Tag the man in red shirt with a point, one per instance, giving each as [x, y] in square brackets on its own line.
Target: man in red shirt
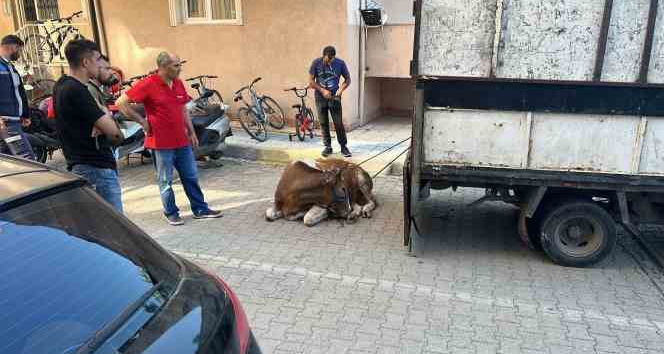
[170, 135]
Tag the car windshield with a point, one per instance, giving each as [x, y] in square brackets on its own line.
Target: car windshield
[69, 265]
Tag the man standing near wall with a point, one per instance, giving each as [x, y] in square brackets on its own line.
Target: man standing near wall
[13, 100]
[170, 134]
[324, 77]
[88, 134]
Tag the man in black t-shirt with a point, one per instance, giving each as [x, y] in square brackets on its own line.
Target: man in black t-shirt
[87, 133]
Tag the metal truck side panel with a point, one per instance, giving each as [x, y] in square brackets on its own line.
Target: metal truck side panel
[456, 37]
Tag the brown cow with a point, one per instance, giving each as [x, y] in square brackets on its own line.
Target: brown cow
[335, 187]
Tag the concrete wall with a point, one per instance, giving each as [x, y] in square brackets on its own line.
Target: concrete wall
[391, 58]
[276, 42]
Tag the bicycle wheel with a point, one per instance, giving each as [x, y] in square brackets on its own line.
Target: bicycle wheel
[273, 112]
[312, 122]
[298, 126]
[37, 50]
[251, 124]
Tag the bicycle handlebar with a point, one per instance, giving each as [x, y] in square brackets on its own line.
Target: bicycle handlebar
[202, 77]
[298, 92]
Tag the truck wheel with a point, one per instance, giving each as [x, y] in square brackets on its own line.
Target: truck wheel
[578, 234]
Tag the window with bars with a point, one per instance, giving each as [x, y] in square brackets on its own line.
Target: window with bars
[213, 11]
[34, 10]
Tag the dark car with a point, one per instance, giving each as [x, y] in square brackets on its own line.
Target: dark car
[78, 277]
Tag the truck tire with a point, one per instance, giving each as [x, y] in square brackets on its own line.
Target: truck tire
[578, 234]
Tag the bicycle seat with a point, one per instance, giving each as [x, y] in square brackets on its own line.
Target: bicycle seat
[212, 112]
[195, 86]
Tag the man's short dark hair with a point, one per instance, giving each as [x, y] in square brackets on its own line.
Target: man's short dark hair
[329, 51]
[12, 39]
[79, 49]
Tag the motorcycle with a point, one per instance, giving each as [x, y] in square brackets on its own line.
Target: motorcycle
[212, 126]
[41, 132]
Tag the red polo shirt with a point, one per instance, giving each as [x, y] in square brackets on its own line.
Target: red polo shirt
[164, 107]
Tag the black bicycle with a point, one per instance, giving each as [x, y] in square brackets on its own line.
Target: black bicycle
[206, 96]
[43, 48]
[304, 118]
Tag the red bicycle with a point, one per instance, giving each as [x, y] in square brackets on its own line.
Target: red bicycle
[304, 118]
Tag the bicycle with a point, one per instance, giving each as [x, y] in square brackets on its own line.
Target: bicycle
[206, 96]
[304, 118]
[43, 49]
[263, 110]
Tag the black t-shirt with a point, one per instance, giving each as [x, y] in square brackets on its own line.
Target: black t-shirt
[75, 115]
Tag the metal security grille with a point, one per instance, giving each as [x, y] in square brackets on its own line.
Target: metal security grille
[47, 9]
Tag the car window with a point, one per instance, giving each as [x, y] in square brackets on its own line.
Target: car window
[69, 265]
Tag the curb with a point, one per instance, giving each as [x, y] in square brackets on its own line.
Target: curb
[285, 156]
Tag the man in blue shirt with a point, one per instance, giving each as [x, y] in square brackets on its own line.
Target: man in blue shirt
[13, 100]
[324, 77]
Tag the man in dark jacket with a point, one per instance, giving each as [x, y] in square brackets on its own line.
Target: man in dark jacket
[13, 100]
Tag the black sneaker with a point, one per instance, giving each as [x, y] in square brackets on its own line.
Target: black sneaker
[327, 151]
[346, 152]
[175, 220]
[208, 214]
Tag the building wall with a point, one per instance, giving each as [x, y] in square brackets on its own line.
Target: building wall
[372, 99]
[397, 97]
[390, 58]
[6, 18]
[276, 42]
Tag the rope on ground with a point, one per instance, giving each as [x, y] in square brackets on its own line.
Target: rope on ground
[389, 164]
[384, 151]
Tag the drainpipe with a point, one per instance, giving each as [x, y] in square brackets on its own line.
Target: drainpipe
[362, 59]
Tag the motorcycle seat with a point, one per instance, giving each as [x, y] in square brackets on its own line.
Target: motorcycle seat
[212, 112]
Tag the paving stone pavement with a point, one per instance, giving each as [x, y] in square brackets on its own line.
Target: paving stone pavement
[339, 288]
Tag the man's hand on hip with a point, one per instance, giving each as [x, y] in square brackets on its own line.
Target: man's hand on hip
[146, 126]
[193, 140]
[2, 123]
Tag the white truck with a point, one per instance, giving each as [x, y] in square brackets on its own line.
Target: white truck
[556, 106]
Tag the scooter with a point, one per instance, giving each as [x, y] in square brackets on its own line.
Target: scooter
[212, 126]
[134, 140]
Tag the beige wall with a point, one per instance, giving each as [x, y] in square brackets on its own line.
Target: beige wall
[372, 99]
[397, 96]
[391, 59]
[6, 20]
[277, 41]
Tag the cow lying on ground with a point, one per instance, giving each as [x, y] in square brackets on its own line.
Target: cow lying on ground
[334, 188]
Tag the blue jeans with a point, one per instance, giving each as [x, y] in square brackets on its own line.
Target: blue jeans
[105, 182]
[184, 161]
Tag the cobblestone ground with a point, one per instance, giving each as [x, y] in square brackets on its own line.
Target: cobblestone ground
[339, 288]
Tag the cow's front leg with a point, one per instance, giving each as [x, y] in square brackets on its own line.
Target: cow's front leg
[296, 217]
[315, 215]
[368, 208]
[356, 212]
[273, 214]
